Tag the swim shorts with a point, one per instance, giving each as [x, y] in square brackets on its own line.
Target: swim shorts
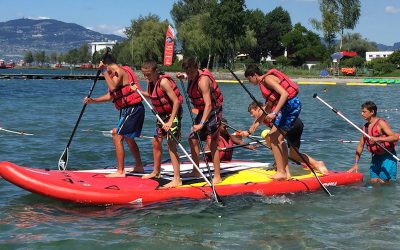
[131, 121]
[175, 128]
[383, 167]
[288, 114]
[210, 128]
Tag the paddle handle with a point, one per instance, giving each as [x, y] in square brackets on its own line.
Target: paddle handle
[354, 125]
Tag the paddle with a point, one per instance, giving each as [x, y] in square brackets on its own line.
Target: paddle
[280, 130]
[63, 161]
[15, 132]
[215, 195]
[197, 134]
[355, 126]
[254, 139]
[318, 140]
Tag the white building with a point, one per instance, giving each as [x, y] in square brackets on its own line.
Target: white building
[97, 46]
[377, 54]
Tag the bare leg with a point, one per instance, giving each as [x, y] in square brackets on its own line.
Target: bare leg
[212, 143]
[280, 152]
[157, 155]
[120, 155]
[136, 155]
[317, 165]
[173, 153]
[194, 150]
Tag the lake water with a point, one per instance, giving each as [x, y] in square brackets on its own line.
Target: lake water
[356, 217]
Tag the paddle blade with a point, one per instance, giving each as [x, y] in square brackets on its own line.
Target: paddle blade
[63, 161]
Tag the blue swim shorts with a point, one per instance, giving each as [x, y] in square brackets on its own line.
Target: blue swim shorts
[288, 114]
[131, 121]
[383, 167]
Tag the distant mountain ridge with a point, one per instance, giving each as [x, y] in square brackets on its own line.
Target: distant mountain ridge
[383, 47]
[49, 35]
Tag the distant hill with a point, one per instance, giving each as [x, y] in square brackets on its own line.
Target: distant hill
[383, 47]
[21, 35]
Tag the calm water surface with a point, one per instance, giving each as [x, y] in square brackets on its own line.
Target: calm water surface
[356, 217]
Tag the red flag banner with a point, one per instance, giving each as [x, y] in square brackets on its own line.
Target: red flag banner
[169, 46]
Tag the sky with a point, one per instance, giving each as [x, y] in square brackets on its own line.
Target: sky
[379, 20]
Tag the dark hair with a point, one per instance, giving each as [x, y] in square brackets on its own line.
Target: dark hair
[371, 106]
[108, 59]
[150, 64]
[251, 70]
[254, 105]
[190, 63]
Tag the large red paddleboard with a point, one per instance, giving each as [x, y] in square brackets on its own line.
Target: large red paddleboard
[94, 188]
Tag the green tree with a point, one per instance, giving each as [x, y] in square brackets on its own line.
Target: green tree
[395, 58]
[278, 23]
[53, 57]
[337, 15]
[84, 54]
[226, 27]
[29, 57]
[303, 45]
[185, 9]
[255, 21]
[40, 57]
[145, 40]
[193, 39]
[355, 42]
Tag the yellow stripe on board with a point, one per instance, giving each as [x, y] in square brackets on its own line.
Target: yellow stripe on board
[318, 83]
[226, 81]
[365, 84]
[250, 175]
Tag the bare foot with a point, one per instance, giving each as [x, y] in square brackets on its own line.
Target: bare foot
[173, 183]
[216, 180]
[113, 175]
[193, 174]
[151, 175]
[321, 167]
[278, 176]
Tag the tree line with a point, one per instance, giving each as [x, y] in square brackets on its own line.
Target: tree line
[216, 32]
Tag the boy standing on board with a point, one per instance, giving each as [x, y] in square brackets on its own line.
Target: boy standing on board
[280, 93]
[119, 81]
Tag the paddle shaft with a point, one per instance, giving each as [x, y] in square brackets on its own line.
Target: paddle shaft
[14, 132]
[180, 146]
[282, 132]
[354, 125]
[197, 133]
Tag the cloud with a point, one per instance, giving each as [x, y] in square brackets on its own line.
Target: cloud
[392, 10]
[39, 17]
[108, 29]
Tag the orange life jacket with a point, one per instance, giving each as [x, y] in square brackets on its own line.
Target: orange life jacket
[271, 96]
[160, 100]
[123, 96]
[374, 132]
[197, 98]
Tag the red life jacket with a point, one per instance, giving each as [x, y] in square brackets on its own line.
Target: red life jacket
[123, 96]
[271, 96]
[197, 98]
[224, 155]
[374, 132]
[160, 100]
